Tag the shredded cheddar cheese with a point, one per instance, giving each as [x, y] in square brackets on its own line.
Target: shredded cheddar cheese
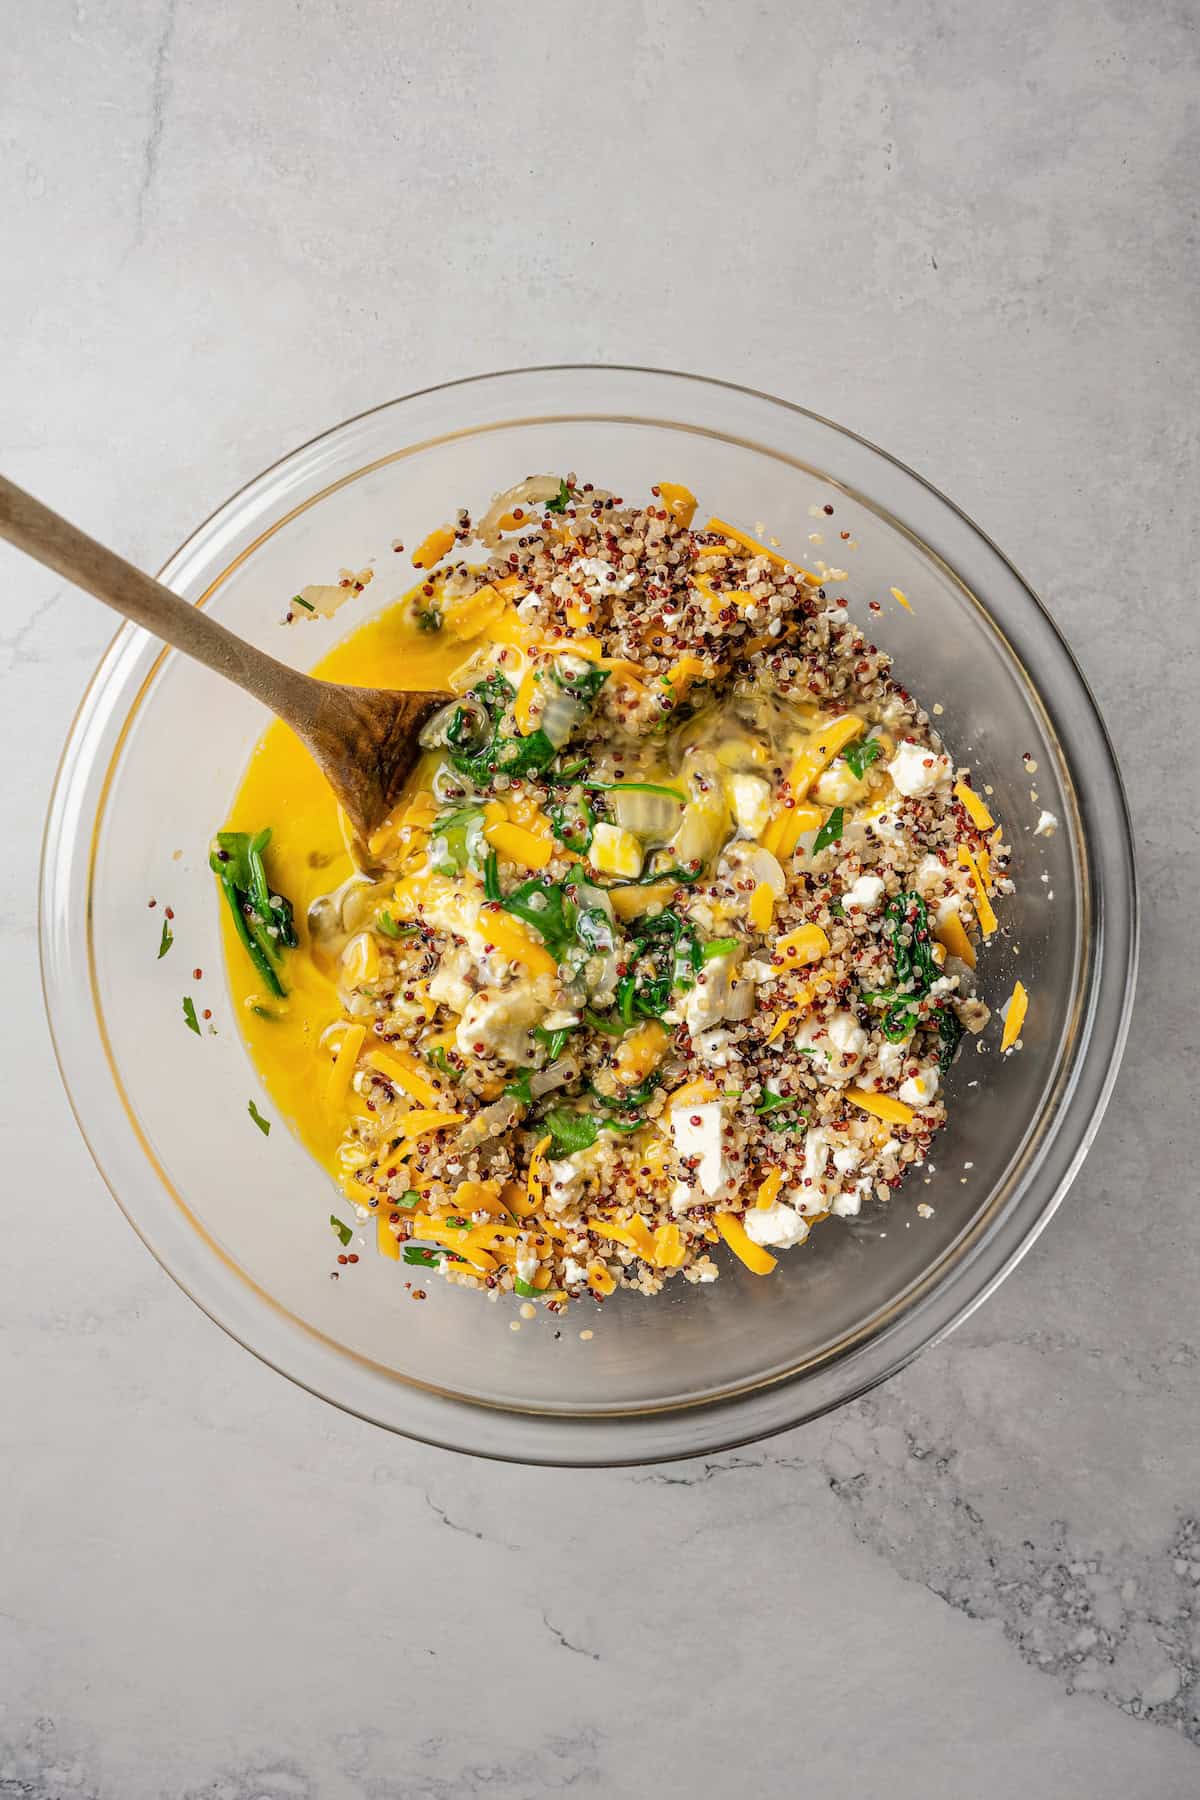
[403, 1070]
[679, 501]
[342, 1072]
[983, 906]
[952, 933]
[511, 939]
[756, 1259]
[976, 811]
[757, 549]
[808, 943]
[882, 1106]
[1014, 1018]
[432, 548]
[768, 1191]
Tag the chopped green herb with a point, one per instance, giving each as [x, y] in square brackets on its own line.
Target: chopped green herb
[569, 1131]
[831, 830]
[264, 1125]
[438, 1058]
[906, 921]
[408, 1199]
[344, 1233]
[491, 877]
[544, 906]
[189, 1013]
[525, 1289]
[429, 619]
[482, 758]
[859, 757]
[632, 787]
[519, 1089]
[387, 925]
[166, 940]
[771, 1103]
[572, 822]
[718, 947]
[631, 1097]
[264, 1012]
[610, 1027]
[561, 500]
[421, 1257]
[950, 1031]
[555, 1041]
[263, 919]
[299, 600]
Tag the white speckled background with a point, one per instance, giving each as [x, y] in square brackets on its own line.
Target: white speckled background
[970, 234]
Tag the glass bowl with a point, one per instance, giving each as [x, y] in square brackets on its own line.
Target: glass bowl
[241, 1221]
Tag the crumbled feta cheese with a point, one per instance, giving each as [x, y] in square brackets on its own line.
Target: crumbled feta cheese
[448, 985]
[916, 769]
[602, 577]
[929, 873]
[574, 1273]
[757, 971]
[920, 1088]
[839, 1045]
[848, 1204]
[816, 1154]
[750, 803]
[565, 1177]
[847, 1159]
[864, 894]
[683, 1196]
[716, 1048]
[886, 827]
[501, 1022]
[526, 1263]
[890, 1060]
[779, 1225]
[696, 1131]
[839, 785]
[1046, 826]
[615, 851]
[717, 995]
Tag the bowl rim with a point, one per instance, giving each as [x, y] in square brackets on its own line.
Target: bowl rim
[1107, 980]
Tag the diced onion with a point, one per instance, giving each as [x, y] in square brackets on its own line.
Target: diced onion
[530, 492]
[433, 732]
[559, 714]
[556, 1075]
[650, 816]
[489, 1123]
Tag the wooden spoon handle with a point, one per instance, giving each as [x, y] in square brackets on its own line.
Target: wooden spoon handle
[54, 541]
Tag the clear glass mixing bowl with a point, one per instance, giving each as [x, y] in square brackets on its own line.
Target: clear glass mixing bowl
[241, 1221]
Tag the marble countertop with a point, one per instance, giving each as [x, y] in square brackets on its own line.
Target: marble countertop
[968, 234]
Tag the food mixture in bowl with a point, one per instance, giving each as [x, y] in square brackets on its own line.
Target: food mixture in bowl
[670, 943]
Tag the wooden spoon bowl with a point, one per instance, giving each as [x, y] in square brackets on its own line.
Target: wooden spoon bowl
[364, 740]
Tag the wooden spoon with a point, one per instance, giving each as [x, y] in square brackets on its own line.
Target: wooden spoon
[364, 740]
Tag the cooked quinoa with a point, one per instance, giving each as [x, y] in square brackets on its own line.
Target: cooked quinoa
[676, 937]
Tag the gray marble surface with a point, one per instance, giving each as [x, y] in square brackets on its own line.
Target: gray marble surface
[968, 233]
